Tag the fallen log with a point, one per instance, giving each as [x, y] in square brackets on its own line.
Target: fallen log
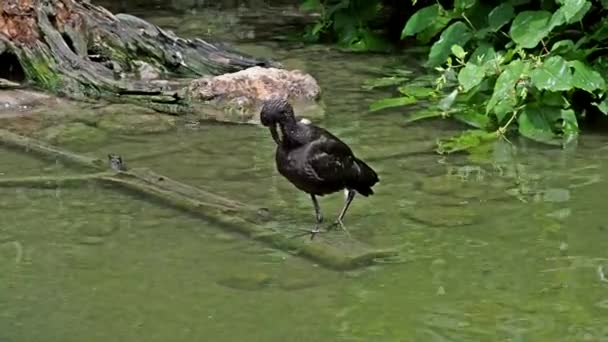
[330, 250]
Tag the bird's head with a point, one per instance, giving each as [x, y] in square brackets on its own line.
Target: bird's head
[274, 112]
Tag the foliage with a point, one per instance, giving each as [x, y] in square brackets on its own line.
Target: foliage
[520, 66]
[347, 21]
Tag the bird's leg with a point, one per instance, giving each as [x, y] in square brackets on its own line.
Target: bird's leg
[350, 195]
[318, 216]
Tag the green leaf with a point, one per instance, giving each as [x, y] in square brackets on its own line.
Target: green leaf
[481, 34]
[500, 16]
[529, 28]
[562, 46]
[310, 5]
[457, 33]
[558, 18]
[585, 77]
[472, 117]
[464, 4]
[466, 140]
[570, 123]
[369, 41]
[416, 91]
[458, 51]
[437, 26]
[483, 54]
[602, 106]
[391, 102]
[420, 21]
[537, 124]
[470, 76]
[553, 98]
[421, 115]
[547, 124]
[384, 82]
[504, 98]
[448, 101]
[319, 26]
[554, 74]
[604, 4]
[337, 7]
[572, 8]
[581, 13]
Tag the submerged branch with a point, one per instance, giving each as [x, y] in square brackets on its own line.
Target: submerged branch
[329, 250]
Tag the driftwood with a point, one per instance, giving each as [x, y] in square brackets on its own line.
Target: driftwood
[76, 49]
[330, 250]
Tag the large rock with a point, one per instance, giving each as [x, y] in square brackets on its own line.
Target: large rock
[240, 94]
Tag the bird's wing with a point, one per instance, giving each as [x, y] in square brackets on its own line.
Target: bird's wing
[331, 160]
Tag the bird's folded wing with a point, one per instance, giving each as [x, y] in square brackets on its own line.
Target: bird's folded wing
[331, 161]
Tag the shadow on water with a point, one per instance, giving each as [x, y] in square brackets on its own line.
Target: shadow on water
[508, 247]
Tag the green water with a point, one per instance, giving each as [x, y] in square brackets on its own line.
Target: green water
[505, 247]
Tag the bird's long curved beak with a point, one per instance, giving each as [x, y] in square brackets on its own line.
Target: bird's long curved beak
[275, 134]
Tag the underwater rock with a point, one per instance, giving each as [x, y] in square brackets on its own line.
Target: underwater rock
[443, 216]
[296, 284]
[242, 93]
[555, 195]
[250, 282]
[132, 119]
[73, 133]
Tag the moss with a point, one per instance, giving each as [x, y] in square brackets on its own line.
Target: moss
[38, 69]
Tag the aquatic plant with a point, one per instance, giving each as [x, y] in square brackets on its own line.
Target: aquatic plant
[518, 67]
[347, 22]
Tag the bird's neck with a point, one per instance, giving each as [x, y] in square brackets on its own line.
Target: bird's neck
[290, 131]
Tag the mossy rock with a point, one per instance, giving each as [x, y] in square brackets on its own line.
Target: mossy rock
[136, 123]
[250, 282]
[444, 216]
[73, 134]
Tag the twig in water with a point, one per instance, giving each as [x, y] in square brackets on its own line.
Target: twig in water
[18, 252]
[600, 273]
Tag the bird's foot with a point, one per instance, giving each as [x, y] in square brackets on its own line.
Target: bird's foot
[339, 223]
[314, 231]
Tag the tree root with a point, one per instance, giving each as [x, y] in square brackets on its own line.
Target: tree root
[76, 49]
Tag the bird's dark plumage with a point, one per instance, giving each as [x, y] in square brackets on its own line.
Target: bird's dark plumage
[313, 159]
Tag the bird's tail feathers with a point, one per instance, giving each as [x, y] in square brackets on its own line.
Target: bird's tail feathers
[365, 178]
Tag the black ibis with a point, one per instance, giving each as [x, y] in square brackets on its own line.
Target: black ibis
[314, 160]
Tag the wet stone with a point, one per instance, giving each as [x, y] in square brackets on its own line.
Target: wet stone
[555, 195]
[83, 257]
[296, 284]
[91, 240]
[99, 230]
[252, 282]
[444, 216]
